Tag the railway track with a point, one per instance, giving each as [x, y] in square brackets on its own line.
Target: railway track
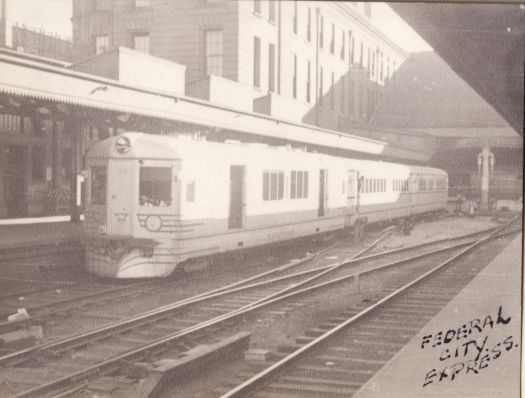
[62, 364]
[339, 356]
[47, 300]
[64, 248]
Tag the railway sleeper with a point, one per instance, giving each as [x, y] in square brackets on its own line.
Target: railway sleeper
[329, 371]
[306, 390]
[397, 321]
[359, 361]
[288, 348]
[320, 381]
[380, 337]
[365, 350]
[365, 341]
[384, 329]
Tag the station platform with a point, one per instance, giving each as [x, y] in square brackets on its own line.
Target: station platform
[15, 236]
[432, 371]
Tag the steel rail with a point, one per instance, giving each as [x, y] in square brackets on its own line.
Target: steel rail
[160, 312]
[113, 363]
[255, 381]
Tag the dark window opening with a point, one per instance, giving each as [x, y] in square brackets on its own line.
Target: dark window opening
[98, 185]
[155, 186]
[38, 164]
[256, 62]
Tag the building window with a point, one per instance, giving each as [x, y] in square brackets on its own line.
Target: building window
[142, 3]
[373, 63]
[190, 191]
[343, 44]
[298, 184]
[271, 9]
[321, 33]
[309, 26]
[155, 186]
[141, 42]
[342, 91]
[352, 49]
[368, 59]
[295, 16]
[321, 87]
[350, 96]
[257, 7]
[101, 44]
[271, 68]
[361, 55]
[368, 9]
[332, 89]
[332, 41]
[294, 81]
[308, 81]
[273, 185]
[214, 52]
[381, 68]
[38, 163]
[101, 5]
[256, 62]
[361, 103]
[98, 185]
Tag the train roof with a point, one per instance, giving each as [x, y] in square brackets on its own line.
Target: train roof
[150, 146]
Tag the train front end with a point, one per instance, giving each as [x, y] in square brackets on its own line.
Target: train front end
[130, 194]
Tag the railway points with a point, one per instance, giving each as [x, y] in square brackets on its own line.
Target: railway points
[349, 350]
[141, 335]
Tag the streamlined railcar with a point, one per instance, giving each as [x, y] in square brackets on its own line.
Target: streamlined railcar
[156, 202]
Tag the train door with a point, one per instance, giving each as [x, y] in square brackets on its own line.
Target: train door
[352, 191]
[323, 194]
[16, 181]
[120, 196]
[413, 189]
[236, 215]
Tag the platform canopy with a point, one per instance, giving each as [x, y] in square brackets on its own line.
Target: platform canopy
[38, 81]
[483, 43]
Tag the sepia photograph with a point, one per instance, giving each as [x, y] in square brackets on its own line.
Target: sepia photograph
[261, 199]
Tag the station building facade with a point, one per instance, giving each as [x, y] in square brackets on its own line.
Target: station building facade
[320, 63]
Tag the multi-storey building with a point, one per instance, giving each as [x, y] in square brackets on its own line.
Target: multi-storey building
[319, 63]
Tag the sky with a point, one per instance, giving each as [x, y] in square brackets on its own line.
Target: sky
[54, 16]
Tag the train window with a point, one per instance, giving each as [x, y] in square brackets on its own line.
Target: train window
[293, 184]
[155, 186]
[190, 191]
[298, 184]
[273, 185]
[98, 185]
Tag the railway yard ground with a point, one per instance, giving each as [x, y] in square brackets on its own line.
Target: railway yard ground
[85, 336]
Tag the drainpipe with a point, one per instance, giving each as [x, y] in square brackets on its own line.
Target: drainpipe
[279, 26]
[317, 66]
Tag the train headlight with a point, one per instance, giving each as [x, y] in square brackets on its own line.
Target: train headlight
[122, 144]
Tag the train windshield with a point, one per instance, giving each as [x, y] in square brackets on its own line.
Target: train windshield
[155, 186]
[98, 185]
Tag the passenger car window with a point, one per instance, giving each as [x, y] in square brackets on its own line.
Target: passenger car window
[155, 186]
[98, 185]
